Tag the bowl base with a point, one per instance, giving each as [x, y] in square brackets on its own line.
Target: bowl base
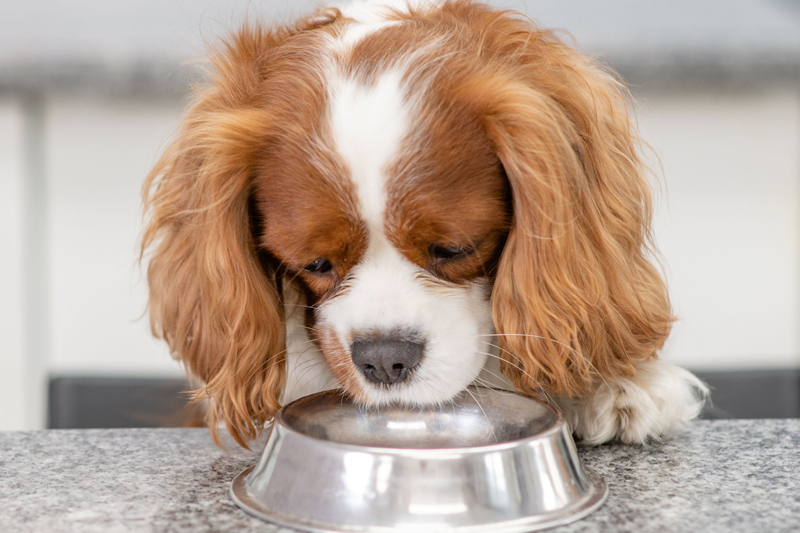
[593, 500]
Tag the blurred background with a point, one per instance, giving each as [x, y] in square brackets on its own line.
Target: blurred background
[91, 91]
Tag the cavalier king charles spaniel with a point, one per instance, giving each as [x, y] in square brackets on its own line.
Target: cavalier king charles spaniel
[401, 200]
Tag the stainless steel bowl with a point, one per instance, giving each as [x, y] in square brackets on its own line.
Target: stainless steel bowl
[490, 461]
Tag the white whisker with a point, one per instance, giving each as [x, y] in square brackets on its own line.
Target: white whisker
[549, 398]
[484, 413]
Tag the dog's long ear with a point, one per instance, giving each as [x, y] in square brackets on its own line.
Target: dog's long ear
[209, 297]
[576, 296]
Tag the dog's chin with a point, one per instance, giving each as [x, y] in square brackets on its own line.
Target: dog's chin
[428, 386]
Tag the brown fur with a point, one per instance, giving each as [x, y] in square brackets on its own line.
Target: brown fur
[576, 297]
[448, 188]
[209, 297]
[510, 115]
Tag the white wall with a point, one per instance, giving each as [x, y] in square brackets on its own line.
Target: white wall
[730, 227]
[12, 362]
[98, 153]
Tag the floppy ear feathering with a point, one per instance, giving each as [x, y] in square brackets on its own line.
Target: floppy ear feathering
[209, 297]
[576, 296]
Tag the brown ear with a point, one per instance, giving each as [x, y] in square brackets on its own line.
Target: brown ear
[209, 297]
[576, 298]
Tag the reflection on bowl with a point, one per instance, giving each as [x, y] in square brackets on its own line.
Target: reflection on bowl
[489, 461]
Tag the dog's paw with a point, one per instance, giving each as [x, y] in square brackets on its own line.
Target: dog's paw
[658, 398]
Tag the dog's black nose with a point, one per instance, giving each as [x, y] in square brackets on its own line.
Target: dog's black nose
[386, 361]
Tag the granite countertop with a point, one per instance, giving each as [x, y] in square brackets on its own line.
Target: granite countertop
[725, 475]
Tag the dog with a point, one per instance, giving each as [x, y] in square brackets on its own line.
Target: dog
[401, 199]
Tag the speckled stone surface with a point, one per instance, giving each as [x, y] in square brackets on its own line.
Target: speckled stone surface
[735, 475]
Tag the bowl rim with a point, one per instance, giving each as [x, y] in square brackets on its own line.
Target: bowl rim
[557, 426]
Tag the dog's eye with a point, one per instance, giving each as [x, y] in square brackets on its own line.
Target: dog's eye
[440, 251]
[320, 266]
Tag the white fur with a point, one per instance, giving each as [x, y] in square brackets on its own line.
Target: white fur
[658, 398]
[370, 16]
[385, 292]
[368, 126]
[306, 369]
[374, 12]
[358, 31]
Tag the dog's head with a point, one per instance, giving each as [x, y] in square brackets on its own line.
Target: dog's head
[427, 178]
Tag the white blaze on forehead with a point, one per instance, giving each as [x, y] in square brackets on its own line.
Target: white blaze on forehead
[368, 125]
